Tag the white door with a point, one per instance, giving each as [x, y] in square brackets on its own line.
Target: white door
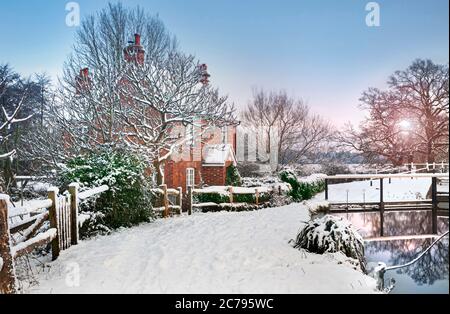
[190, 177]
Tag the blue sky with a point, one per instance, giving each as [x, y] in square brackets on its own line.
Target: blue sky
[320, 50]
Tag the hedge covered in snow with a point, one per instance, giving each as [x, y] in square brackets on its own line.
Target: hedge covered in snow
[330, 234]
[303, 188]
[126, 203]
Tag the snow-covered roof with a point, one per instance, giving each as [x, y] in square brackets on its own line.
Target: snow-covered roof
[217, 155]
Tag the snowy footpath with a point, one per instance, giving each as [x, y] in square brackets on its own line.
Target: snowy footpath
[246, 252]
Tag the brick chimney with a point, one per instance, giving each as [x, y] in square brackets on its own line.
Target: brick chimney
[134, 52]
[83, 81]
[137, 39]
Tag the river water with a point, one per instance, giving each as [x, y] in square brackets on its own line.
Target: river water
[431, 273]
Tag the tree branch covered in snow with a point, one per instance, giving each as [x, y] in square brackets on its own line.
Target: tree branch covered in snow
[8, 119]
[109, 100]
[160, 96]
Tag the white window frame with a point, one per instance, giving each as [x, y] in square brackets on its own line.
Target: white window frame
[190, 177]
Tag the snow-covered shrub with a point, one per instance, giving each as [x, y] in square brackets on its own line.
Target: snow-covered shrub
[332, 169]
[330, 234]
[268, 181]
[304, 188]
[318, 209]
[248, 169]
[93, 224]
[233, 177]
[217, 198]
[127, 202]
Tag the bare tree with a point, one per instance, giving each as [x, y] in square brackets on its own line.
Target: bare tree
[89, 100]
[13, 96]
[163, 95]
[124, 94]
[382, 133]
[407, 121]
[298, 132]
[422, 91]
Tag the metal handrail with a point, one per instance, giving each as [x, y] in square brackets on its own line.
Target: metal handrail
[381, 269]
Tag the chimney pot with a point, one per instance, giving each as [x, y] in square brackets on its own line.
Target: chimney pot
[85, 72]
[137, 39]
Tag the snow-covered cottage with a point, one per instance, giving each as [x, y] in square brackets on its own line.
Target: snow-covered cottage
[202, 160]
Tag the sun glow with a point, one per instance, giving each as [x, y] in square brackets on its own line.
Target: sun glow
[405, 125]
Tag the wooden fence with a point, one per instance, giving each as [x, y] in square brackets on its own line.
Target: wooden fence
[62, 213]
[437, 201]
[231, 193]
[428, 167]
[168, 201]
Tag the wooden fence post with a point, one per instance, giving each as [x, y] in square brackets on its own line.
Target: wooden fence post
[180, 199]
[53, 216]
[230, 190]
[434, 205]
[73, 190]
[165, 200]
[189, 199]
[326, 189]
[256, 196]
[381, 208]
[7, 271]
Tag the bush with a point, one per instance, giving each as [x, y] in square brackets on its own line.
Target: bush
[237, 198]
[233, 177]
[128, 201]
[332, 169]
[248, 169]
[331, 234]
[302, 189]
[211, 198]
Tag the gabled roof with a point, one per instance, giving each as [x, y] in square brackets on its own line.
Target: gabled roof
[218, 155]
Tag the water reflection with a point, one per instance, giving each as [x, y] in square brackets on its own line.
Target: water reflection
[431, 273]
[428, 275]
[404, 223]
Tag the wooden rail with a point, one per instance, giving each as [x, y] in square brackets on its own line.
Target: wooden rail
[164, 206]
[438, 204]
[231, 192]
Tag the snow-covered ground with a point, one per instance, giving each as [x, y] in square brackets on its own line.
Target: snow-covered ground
[399, 189]
[225, 252]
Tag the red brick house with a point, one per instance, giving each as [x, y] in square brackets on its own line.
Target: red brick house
[203, 161]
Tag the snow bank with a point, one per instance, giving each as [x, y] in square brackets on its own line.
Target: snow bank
[245, 252]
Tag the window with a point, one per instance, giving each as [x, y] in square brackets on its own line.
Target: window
[190, 177]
